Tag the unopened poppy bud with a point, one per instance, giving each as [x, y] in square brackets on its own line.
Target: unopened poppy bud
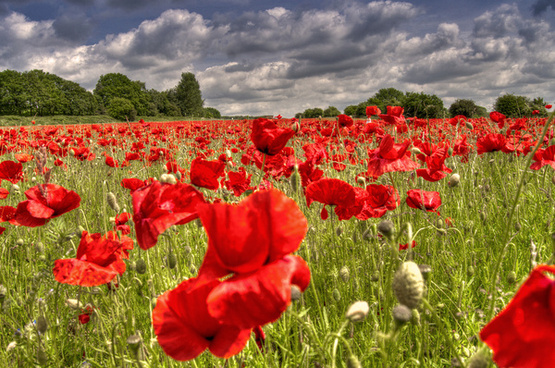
[41, 324]
[361, 180]
[358, 311]
[344, 273]
[12, 345]
[14, 188]
[450, 151]
[425, 270]
[112, 201]
[140, 266]
[338, 230]
[336, 295]
[518, 226]
[386, 228]
[416, 150]
[511, 277]
[19, 242]
[454, 180]
[168, 179]
[295, 293]
[469, 125]
[172, 261]
[74, 304]
[42, 357]
[295, 179]
[408, 284]
[470, 271]
[401, 315]
[479, 360]
[134, 343]
[353, 362]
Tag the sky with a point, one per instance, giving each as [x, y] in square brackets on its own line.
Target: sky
[255, 57]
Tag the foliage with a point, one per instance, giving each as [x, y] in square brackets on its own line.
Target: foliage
[513, 106]
[331, 111]
[117, 85]
[466, 108]
[312, 113]
[187, 96]
[423, 105]
[122, 109]
[211, 113]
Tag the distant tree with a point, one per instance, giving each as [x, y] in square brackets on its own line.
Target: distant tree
[538, 104]
[122, 109]
[463, 107]
[383, 98]
[187, 96]
[513, 106]
[351, 110]
[117, 85]
[482, 112]
[423, 105]
[331, 111]
[313, 113]
[211, 113]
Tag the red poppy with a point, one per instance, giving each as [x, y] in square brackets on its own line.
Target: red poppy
[110, 161]
[344, 120]
[85, 315]
[390, 157]
[436, 169]
[158, 206]
[11, 171]
[309, 172]
[521, 335]
[120, 222]
[45, 202]
[548, 106]
[421, 199]
[544, 157]
[268, 138]
[332, 192]
[492, 142]
[4, 193]
[133, 184]
[498, 117]
[23, 157]
[380, 199]
[372, 110]
[238, 182]
[252, 241]
[394, 115]
[406, 245]
[2, 229]
[205, 174]
[185, 328]
[98, 260]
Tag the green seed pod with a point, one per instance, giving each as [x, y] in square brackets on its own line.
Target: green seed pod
[454, 180]
[336, 295]
[295, 293]
[140, 266]
[401, 315]
[386, 228]
[408, 284]
[172, 261]
[41, 324]
[511, 277]
[344, 273]
[112, 201]
[469, 125]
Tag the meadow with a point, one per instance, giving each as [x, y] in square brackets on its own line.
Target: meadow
[357, 203]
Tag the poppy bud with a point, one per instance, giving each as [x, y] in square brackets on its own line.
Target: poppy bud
[478, 360]
[295, 179]
[12, 345]
[140, 266]
[344, 273]
[450, 151]
[42, 357]
[408, 284]
[112, 201]
[425, 270]
[358, 311]
[470, 271]
[353, 362]
[511, 277]
[361, 180]
[134, 343]
[19, 242]
[469, 125]
[454, 180]
[172, 261]
[41, 324]
[14, 188]
[518, 226]
[386, 228]
[168, 179]
[336, 295]
[416, 150]
[401, 315]
[338, 230]
[295, 293]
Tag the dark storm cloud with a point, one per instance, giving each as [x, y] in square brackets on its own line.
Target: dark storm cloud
[73, 28]
[541, 6]
[128, 4]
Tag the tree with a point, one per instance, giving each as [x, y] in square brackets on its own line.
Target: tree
[463, 107]
[513, 106]
[117, 85]
[122, 109]
[383, 98]
[312, 113]
[538, 104]
[423, 105]
[187, 96]
[211, 113]
[331, 111]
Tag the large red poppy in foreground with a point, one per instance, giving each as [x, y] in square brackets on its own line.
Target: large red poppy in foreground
[522, 335]
[333, 192]
[268, 138]
[389, 157]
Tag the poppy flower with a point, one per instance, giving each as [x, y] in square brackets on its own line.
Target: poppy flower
[436, 169]
[252, 241]
[268, 138]
[23, 157]
[133, 184]
[492, 142]
[344, 120]
[238, 182]
[544, 157]
[332, 192]
[185, 328]
[98, 260]
[45, 202]
[205, 173]
[85, 315]
[394, 115]
[120, 223]
[11, 171]
[380, 199]
[423, 200]
[4, 193]
[406, 245]
[389, 157]
[548, 106]
[498, 117]
[158, 206]
[372, 110]
[110, 161]
[521, 335]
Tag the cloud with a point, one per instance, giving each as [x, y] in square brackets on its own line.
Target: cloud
[541, 6]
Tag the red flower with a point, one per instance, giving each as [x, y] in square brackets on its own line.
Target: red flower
[394, 115]
[158, 206]
[133, 184]
[436, 169]
[344, 120]
[548, 106]
[238, 182]
[268, 138]
[85, 315]
[406, 245]
[45, 201]
[23, 157]
[380, 199]
[544, 157]
[420, 199]
[205, 173]
[492, 142]
[498, 117]
[98, 260]
[110, 161]
[11, 171]
[390, 157]
[185, 328]
[120, 223]
[372, 110]
[521, 335]
[252, 241]
[4, 193]
[332, 192]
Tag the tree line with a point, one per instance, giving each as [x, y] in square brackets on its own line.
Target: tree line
[430, 106]
[38, 93]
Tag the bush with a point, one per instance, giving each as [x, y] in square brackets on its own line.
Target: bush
[122, 109]
[513, 106]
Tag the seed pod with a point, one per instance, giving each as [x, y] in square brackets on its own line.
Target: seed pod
[344, 273]
[401, 315]
[386, 228]
[172, 261]
[112, 201]
[454, 180]
[336, 295]
[41, 324]
[408, 284]
[358, 311]
[42, 357]
[469, 125]
[295, 293]
[140, 266]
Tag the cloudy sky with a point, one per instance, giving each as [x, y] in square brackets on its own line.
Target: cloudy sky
[282, 57]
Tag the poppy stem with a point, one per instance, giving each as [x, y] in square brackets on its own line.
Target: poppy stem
[262, 171]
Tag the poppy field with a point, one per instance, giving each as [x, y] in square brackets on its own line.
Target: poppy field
[378, 242]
